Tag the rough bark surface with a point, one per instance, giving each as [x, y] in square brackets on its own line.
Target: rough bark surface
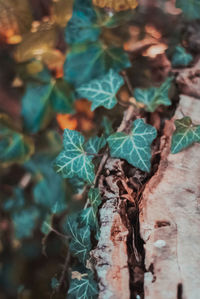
[111, 253]
[170, 219]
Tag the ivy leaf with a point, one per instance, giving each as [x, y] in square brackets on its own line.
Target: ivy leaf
[101, 58]
[94, 144]
[80, 244]
[14, 146]
[82, 27]
[16, 201]
[153, 97]
[84, 286]
[88, 216]
[74, 160]
[190, 8]
[41, 99]
[36, 110]
[25, 222]
[186, 133]
[102, 91]
[134, 147]
[49, 190]
[181, 57]
[62, 97]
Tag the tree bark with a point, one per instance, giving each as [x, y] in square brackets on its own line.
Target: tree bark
[170, 219]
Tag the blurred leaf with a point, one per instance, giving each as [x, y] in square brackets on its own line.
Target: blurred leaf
[16, 201]
[25, 222]
[181, 57]
[54, 283]
[102, 91]
[116, 5]
[100, 57]
[36, 44]
[36, 109]
[14, 146]
[49, 190]
[134, 147]
[83, 286]
[80, 244]
[62, 11]
[107, 126]
[153, 97]
[185, 135]
[62, 97]
[82, 27]
[40, 100]
[190, 8]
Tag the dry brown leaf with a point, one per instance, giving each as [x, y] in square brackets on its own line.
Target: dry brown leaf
[62, 11]
[118, 5]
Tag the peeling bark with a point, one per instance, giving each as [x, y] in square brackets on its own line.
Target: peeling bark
[170, 219]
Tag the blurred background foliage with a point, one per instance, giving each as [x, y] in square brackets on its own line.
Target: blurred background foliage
[47, 49]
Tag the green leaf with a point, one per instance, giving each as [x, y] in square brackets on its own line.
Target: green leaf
[49, 190]
[190, 8]
[107, 126]
[80, 244]
[94, 144]
[134, 147]
[186, 133]
[36, 110]
[16, 201]
[153, 97]
[181, 57]
[101, 58]
[82, 27]
[54, 283]
[62, 97]
[74, 160]
[94, 198]
[42, 99]
[88, 216]
[25, 222]
[14, 146]
[84, 287]
[102, 91]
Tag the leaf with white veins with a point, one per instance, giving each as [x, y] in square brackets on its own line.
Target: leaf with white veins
[153, 97]
[134, 147]
[186, 133]
[102, 91]
[76, 158]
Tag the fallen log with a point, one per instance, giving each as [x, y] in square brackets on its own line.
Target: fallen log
[170, 219]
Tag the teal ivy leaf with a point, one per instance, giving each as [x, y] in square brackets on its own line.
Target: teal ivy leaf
[54, 283]
[80, 244]
[40, 100]
[49, 190]
[62, 97]
[14, 146]
[25, 222]
[190, 8]
[107, 126]
[46, 226]
[82, 27]
[186, 133]
[16, 201]
[36, 110]
[74, 160]
[153, 97]
[94, 144]
[102, 91]
[101, 58]
[134, 147]
[181, 57]
[84, 286]
[88, 216]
